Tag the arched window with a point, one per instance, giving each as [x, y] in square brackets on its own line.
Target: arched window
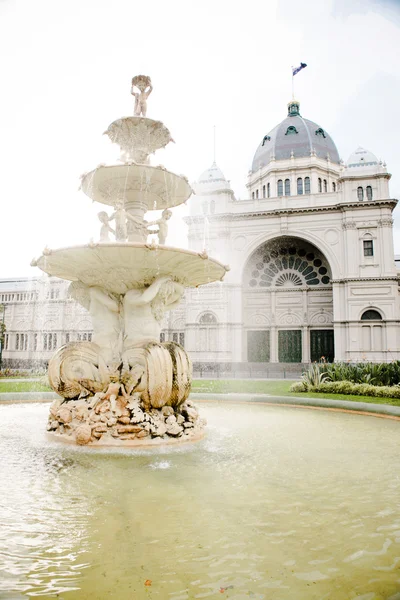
[287, 187]
[371, 315]
[372, 338]
[268, 190]
[208, 334]
[325, 186]
[17, 341]
[208, 319]
[307, 186]
[369, 192]
[280, 187]
[263, 191]
[252, 195]
[333, 186]
[299, 186]
[319, 184]
[257, 194]
[291, 130]
[360, 193]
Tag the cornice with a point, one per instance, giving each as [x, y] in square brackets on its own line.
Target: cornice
[362, 279]
[342, 207]
[351, 177]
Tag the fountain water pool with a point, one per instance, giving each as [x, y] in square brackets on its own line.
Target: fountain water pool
[276, 503]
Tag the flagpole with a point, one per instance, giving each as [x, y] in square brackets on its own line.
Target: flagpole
[292, 85]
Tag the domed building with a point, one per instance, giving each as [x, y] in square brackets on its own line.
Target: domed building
[312, 273]
[312, 270]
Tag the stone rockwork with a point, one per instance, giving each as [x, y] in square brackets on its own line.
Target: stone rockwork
[127, 423]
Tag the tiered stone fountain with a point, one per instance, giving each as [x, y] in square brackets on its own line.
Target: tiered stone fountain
[125, 387]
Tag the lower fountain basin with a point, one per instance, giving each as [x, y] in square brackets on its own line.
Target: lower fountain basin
[275, 502]
[119, 267]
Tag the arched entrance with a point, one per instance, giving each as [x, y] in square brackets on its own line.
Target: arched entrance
[288, 303]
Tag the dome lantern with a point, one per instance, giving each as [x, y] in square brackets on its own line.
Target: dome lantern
[294, 108]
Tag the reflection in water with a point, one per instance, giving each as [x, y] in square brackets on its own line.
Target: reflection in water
[275, 503]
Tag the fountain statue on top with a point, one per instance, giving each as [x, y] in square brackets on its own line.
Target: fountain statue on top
[125, 387]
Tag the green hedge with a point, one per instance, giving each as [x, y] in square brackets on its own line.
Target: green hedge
[348, 387]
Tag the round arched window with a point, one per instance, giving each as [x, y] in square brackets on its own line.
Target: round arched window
[371, 315]
[208, 319]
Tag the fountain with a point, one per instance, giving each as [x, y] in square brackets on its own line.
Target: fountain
[125, 387]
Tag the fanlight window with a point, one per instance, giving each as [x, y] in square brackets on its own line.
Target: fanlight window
[320, 131]
[291, 130]
[371, 315]
[289, 267]
[288, 280]
[208, 319]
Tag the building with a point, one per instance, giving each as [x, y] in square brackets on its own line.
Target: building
[313, 272]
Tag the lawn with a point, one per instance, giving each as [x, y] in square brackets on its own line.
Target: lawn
[276, 388]
[23, 386]
[217, 386]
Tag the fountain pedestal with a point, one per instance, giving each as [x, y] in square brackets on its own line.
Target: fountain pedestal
[126, 387]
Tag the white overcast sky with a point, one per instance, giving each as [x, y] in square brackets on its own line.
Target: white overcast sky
[65, 74]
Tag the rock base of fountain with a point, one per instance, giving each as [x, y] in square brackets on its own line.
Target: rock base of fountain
[125, 424]
[142, 399]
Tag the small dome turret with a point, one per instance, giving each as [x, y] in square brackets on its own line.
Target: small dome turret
[211, 180]
[362, 158]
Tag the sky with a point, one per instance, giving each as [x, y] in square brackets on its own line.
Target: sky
[65, 73]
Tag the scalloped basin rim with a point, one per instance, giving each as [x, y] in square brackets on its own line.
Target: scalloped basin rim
[119, 267]
[155, 186]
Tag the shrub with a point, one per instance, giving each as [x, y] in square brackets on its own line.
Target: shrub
[380, 374]
[298, 386]
[356, 389]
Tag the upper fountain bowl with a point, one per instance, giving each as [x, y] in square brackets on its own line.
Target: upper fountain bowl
[154, 187]
[138, 137]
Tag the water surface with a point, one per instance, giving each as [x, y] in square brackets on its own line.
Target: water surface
[276, 503]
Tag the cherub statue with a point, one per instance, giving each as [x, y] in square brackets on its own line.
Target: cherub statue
[104, 309]
[120, 217]
[162, 230]
[105, 227]
[143, 83]
[144, 309]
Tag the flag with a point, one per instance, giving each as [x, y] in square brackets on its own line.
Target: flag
[296, 70]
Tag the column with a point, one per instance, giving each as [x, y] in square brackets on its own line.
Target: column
[305, 345]
[273, 344]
